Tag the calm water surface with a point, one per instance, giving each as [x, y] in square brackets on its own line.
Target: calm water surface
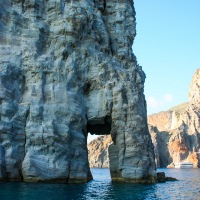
[101, 188]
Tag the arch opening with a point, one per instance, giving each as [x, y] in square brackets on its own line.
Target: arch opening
[99, 126]
[98, 155]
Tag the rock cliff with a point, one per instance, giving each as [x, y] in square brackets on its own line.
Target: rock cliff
[98, 152]
[66, 69]
[175, 133]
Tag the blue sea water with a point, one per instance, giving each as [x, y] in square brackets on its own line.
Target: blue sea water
[101, 188]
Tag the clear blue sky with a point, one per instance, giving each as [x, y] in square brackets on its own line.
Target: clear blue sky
[167, 46]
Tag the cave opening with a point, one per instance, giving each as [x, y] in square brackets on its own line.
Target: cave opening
[99, 139]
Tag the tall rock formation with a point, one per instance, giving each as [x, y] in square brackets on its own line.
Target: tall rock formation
[66, 69]
[175, 133]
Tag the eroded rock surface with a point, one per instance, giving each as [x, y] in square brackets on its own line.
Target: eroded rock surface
[66, 69]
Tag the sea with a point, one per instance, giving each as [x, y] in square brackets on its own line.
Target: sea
[102, 188]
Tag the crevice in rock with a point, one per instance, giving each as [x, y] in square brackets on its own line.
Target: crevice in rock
[104, 4]
[86, 88]
[42, 39]
[124, 150]
[23, 7]
[25, 139]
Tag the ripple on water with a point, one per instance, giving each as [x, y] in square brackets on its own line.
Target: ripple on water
[101, 188]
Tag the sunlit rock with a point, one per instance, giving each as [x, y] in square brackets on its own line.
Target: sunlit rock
[176, 133]
[67, 68]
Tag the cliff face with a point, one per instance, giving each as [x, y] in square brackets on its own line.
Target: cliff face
[98, 152]
[176, 137]
[66, 69]
[176, 132]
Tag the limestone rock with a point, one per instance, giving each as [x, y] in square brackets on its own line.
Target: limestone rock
[66, 69]
[176, 137]
[98, 152]
[194, 94]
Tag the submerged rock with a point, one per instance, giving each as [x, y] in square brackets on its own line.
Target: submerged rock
[66, 69]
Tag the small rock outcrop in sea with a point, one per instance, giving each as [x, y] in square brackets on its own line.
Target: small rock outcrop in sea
[66, 69]
[175, 133]
[161, 178]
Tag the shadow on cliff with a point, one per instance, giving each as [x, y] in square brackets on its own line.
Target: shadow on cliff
[161, 148]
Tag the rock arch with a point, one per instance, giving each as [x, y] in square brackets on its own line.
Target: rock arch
[67, 66]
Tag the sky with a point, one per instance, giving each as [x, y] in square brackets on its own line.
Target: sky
[167, 46]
